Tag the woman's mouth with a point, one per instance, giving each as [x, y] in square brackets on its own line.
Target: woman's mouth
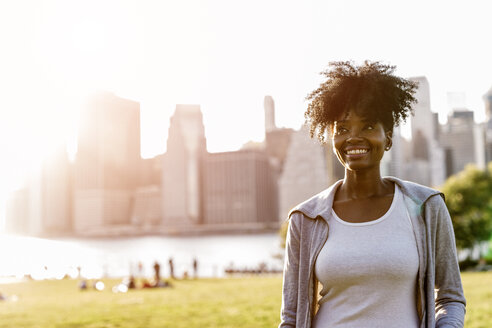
[356, 151]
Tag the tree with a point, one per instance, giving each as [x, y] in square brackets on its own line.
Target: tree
[469, 200]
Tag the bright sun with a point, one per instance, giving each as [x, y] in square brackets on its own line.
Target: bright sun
[70, 63]
[89, 37]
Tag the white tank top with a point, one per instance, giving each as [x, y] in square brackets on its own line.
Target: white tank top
[369, 272]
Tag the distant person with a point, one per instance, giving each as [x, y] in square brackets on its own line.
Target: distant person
[157, 272]
[195, 268]
[131, 282]
[83, 284]
[262, 267]
[171, 268]
[147, 284]
[379, 246]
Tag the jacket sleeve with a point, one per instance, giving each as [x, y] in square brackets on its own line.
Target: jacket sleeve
[450, 300]
[291, 274]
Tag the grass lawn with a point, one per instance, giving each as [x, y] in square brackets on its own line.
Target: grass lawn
[245, 302]
[232, 302]
[478, 293]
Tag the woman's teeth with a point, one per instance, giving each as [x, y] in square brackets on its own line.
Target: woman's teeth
[356, 151]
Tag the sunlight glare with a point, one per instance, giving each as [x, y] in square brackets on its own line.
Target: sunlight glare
[89, 37]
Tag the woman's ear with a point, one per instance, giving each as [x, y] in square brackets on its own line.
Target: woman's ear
[389, 140]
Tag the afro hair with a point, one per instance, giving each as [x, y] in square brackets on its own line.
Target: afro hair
[370, 89]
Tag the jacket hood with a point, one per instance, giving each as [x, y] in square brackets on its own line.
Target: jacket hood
[321, 204]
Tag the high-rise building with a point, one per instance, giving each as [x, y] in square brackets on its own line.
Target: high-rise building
[107, 162]
[488, 104]
[17, 212]
[488, 125]
[56, 194]
[269, 106]
[277, 143]
[308, 169]
[422, 121]
[458, 138]
[151, 171]
[24, 210]
[147, 209]
[240, 188]
[392, 162]
[424, 163]
[277, 140]
[182, 171]
[43, 206]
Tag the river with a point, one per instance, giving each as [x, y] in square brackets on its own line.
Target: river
[119, 257]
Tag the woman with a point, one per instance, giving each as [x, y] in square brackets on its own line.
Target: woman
[376, 246]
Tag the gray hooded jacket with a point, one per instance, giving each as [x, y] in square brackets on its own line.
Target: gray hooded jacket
[440, 299]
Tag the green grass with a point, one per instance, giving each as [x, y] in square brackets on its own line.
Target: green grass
[231, 302]
[245, 302]
[478, 293]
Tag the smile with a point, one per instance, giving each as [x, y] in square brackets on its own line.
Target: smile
[356, 151]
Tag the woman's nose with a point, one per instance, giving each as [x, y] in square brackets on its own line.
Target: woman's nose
[354, 135]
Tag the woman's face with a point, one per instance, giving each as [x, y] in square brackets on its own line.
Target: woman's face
[359, 143]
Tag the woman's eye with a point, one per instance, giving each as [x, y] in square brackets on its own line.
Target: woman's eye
[370, 127]
[341, 130]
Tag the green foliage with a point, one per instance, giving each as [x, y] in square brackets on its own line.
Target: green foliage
[488, 255]
[469, 200]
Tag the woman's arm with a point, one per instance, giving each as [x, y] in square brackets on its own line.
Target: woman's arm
[291, 274]
[450, 300]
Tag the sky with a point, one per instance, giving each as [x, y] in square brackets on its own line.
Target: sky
[224, 55]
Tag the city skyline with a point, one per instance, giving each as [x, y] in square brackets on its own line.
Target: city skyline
[110, 189]
[224, 56]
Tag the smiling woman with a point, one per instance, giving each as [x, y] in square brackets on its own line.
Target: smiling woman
[390, 242]
[358, 142]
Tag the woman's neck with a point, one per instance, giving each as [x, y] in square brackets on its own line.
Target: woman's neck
[363, 185]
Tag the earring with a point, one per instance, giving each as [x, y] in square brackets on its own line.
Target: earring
[387, 148]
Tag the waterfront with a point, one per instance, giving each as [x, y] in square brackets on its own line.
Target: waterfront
[119, 257]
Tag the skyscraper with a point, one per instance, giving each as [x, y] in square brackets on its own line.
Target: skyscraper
[276, 139]
[17, 212]
[43, 206]
[422, 121]
[458, 138]
[240, 188]
[269, 106]
[488, 125]
[182, 167]
[488, 104]
[425, 162]
[56, 194]
[308, 169]
[107, 161]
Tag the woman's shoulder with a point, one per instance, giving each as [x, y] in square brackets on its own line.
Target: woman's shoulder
[417, 192]
[317, 205]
